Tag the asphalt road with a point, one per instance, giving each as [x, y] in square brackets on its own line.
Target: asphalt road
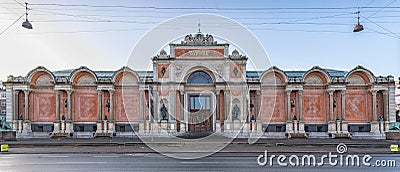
[157, 162]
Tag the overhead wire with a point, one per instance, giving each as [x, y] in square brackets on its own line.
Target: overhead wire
[11, 25]
[90, 18]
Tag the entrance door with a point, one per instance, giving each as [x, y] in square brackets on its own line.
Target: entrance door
[200, 113]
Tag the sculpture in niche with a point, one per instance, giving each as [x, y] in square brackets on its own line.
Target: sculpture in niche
[108, 105]
[293, 107]
[163, 70]
[235, 71]
[235, 112]
[65, 103]
[164, 112]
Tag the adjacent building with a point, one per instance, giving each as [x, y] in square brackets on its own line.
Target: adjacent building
[199, 86]
[2, 100]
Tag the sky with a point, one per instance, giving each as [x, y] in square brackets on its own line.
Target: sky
[296, 35]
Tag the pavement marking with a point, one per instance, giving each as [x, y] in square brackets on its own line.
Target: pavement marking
[56, 156]
[105, 156]
[184, 162]
[81, 162]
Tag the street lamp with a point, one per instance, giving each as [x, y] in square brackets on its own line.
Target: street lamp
[358, 27]
[26, 24]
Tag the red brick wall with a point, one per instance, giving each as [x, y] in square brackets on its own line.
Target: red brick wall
[315, 105]
[43, 109]
[358, 105]
[273, 105]
[84, 104]
[127, 105]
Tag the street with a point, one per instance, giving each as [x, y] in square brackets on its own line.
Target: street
[158, 162]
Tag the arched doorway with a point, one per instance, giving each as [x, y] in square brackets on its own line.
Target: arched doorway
[200, 101]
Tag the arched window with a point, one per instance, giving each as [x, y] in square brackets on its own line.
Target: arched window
[199, 77]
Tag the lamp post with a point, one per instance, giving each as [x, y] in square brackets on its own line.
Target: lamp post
[358, 27]
[26, 24]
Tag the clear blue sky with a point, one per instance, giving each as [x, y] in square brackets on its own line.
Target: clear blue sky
[296, 34]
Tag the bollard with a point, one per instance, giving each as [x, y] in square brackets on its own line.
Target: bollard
[394, 148]
[4, 148]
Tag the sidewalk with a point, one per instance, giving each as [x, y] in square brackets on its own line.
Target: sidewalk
[135, 145]
[123, 141]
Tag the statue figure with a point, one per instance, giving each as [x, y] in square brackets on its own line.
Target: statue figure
[235, 112]
[108, 105]
[105, 118]
[164, 112]
[334, 104]
[63, 117]
[292, 104]
[20, 117]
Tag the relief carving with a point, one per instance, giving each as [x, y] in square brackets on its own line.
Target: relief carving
[86, 79]
[313, 79]
[356, 79]
[44, 80]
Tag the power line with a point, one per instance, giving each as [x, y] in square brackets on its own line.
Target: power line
[205, 8]
[387, 6]
[11, 24]
[382, 27]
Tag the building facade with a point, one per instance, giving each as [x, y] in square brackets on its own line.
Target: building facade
[2, 100]
[200, 86]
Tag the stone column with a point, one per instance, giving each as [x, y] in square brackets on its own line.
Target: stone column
[289, 125]
[374, 123]
[344, 122]
[374, 117]
[301, 122]
[69, 103]
[258, 114]
[69, 123]
[99, 112]
[182, 117]
[111, 125]
[228, 122]
[331, 105]
[56, 124]
[343, 92]
[386, 110]
[57, 106]
[218, 120]
[26, 102]
[186, 112]
[172, 104]
[27, 124]
[155, 104]
[331, 124]
[172, 110]
[142, 103]
[16, 110]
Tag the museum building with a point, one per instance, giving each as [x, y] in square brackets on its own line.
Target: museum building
[199, 86]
